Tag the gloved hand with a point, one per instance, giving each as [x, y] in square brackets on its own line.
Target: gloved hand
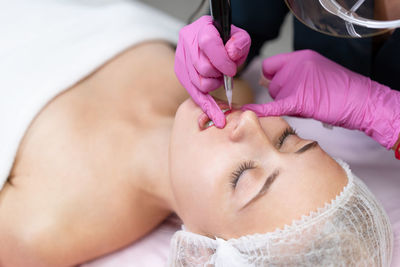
[306, 84]
[201, 59]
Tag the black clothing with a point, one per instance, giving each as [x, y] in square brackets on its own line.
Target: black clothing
[262, 19]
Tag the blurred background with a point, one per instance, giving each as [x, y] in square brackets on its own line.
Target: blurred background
[183, 9]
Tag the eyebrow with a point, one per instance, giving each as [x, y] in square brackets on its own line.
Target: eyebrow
[307, 147]
[271, 178]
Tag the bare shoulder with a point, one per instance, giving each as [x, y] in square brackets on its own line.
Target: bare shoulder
[71, 197]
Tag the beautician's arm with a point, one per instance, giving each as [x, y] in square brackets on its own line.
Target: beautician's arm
[306, 84]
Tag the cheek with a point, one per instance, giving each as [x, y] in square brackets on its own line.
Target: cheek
[194, 152]
[200, 203]
[200, 185]
[192, 170]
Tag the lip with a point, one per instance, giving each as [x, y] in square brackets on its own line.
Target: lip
[205, 122]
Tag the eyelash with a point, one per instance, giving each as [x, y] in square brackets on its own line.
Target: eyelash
[247, 165]
[288, 131]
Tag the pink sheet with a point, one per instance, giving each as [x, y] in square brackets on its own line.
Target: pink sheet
[368, 160]
[151, 250]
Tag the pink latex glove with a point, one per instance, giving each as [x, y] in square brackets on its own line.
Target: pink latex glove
[201, 59]
[306, 84]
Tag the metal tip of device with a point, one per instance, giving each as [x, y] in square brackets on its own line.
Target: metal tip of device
[228, 89]
[229, 97]
[230, 101]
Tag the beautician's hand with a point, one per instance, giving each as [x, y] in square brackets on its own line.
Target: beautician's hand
[201, 60]
[306, 84]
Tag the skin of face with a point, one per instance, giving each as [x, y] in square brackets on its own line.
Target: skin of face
[202, 161]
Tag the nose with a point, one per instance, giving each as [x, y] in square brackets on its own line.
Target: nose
[249, 129]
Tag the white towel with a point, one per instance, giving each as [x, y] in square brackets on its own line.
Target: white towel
[48, 45]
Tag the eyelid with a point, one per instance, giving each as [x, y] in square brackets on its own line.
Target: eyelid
[244, 166]
[287, 132]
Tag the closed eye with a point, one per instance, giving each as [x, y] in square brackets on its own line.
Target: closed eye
[235, 176]
[286, 133]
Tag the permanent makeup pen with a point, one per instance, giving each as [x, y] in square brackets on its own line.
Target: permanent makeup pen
[222, 19]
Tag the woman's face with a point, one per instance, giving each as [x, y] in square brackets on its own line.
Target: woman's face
[253, 176]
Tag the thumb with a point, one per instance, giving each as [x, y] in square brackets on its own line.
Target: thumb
[273, 64]
[275, 108]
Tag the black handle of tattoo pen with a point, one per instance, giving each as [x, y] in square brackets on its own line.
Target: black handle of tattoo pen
[222, 17]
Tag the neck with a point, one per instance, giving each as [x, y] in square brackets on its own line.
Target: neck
[156, 182]
[160, 95]
[140, 88]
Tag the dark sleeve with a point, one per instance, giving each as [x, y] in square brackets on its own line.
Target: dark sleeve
[262, 19]
[355, 54]
[386, 68]
[352, 53]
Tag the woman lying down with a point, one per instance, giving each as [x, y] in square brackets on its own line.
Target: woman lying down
[110, 158]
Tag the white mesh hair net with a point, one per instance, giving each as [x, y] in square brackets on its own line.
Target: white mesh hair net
[351, 230]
